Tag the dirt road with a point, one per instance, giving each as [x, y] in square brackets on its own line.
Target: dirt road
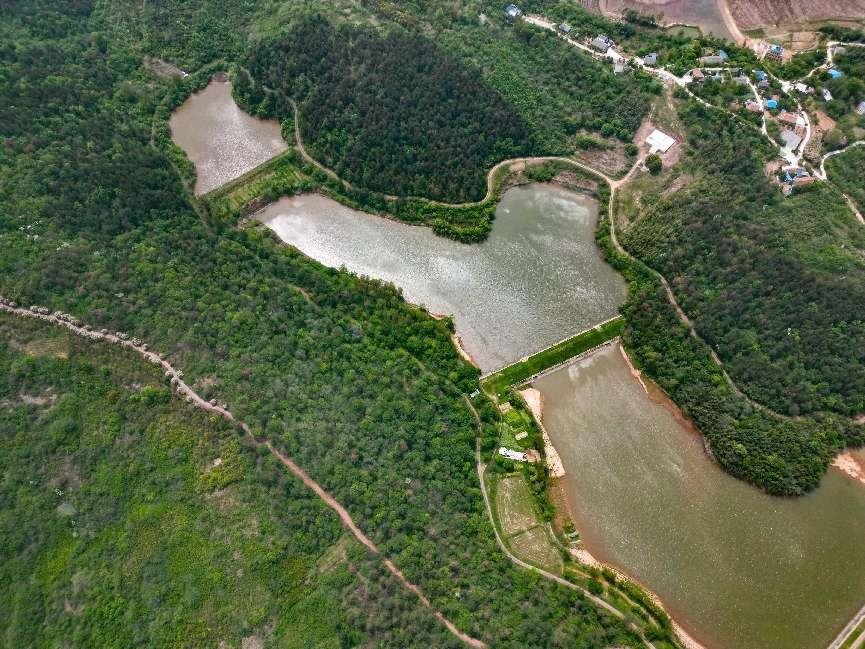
[182, 388]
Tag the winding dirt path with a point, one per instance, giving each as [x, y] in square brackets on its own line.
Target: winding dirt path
[183, 389]
[481, 468]
[671, 297]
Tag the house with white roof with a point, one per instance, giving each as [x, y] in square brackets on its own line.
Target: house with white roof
[659, 141]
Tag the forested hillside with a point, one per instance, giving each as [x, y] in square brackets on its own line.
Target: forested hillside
[846, 171]
[392, 113]
[361, 389]
[776, 286]
[129, 520]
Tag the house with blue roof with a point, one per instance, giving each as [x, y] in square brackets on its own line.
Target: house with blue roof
[836, 74]
[761, 75]
[775, 52]
[772, 104]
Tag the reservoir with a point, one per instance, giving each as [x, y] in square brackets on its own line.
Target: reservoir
[737, 568]
[221, 140]
[537, 279]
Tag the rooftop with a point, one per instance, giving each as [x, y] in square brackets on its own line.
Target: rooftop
[659, 141]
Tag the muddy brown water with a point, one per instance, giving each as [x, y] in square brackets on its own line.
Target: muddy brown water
[222, 141]
[737, 568]
[538, 278]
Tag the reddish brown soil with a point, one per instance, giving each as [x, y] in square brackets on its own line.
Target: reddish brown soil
[752, 14]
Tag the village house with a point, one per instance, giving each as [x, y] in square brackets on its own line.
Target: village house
[651, 59]
[839, 49]
[775, 52]
[835, 74]
[715, 59]
[564, 28]
[697, 75]
[826, 94]
[761, 75]
[601, 43]
[513, 12]
[787, 119]
[803, 88]
[510, 454]
[793, 122]
[619, 66]
[772, 104]
[860, 108]
[659, 141]
[742, 80]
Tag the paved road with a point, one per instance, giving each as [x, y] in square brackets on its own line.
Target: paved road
[848, 630]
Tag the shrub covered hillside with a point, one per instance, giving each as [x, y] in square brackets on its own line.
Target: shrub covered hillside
[390, 112]
[129, 520]
[338, 371]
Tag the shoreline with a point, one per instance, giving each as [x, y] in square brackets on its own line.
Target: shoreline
[850, 466]
[657, 395]
[535, 401]
[583, 554]
[462, 351]
[846, 462]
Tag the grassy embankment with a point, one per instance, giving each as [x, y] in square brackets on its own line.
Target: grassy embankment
[520, 371]
[853, 637]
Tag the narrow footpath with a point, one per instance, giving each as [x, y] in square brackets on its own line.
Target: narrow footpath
[183, 389]
[481, 468]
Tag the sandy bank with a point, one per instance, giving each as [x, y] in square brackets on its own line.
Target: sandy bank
[851, 465]
[535, 402]
[458, 343]
[585, 557]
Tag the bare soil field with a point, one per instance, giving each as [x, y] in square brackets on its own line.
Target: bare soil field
[753, 14]
[704, 14]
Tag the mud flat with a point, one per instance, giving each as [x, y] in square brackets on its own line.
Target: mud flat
[538, 278]
[736, 568]
[222, 141]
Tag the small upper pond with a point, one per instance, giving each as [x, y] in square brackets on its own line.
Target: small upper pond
[221, 140]
[538, 278]
[737, 568]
